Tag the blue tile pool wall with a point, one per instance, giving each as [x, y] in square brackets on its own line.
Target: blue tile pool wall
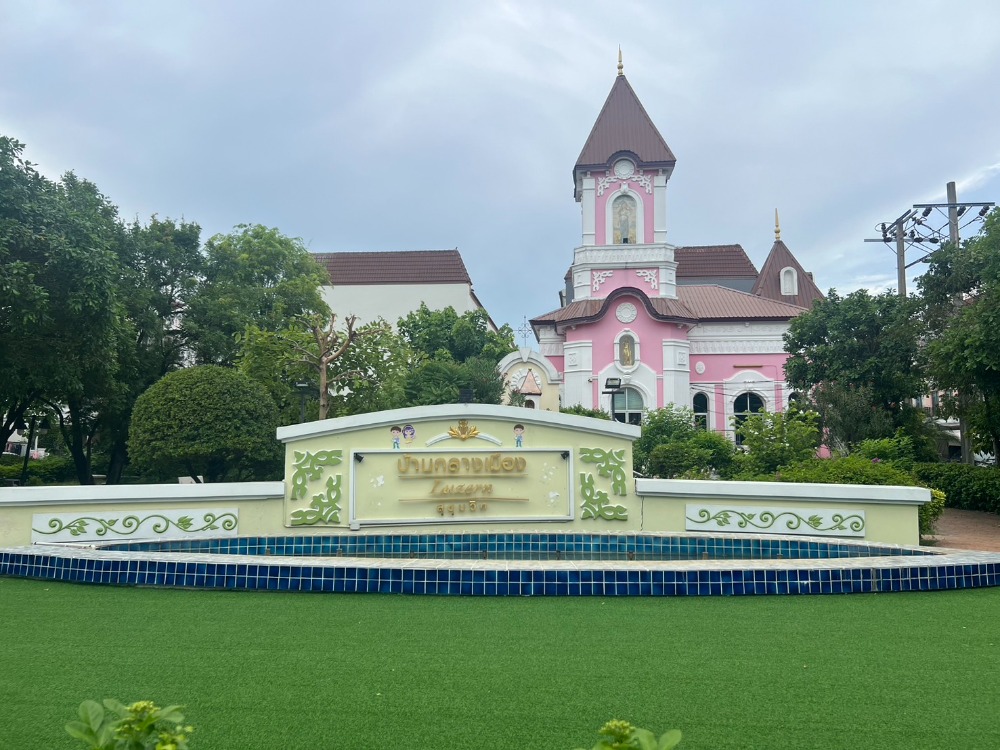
[523, 547]
[590, 565]
[282, 576]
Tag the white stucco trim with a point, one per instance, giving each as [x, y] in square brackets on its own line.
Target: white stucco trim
[530, 357]
[452, 412]
[815, 493]
[142, 493]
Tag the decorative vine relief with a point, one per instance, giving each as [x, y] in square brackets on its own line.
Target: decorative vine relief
[596, 502]
[128, 525]
[309, 467]
[609, 464]
[325, 505]
[324, 508]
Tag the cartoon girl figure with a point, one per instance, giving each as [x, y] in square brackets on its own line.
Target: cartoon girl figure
[395, 431]
[409, 433]
[519, 436]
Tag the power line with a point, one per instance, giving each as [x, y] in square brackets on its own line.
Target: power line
[925, 227]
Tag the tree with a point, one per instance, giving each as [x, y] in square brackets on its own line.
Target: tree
[159, 265]
[848, 415]
[206, 421]
[774, 440]
[445, 333]
[671, 423]
[862, 342]
[453, 352]
[251, 276]
[368, 375]
[701, 455]
[961, 296]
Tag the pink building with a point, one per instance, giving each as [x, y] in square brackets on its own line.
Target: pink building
[693, 326]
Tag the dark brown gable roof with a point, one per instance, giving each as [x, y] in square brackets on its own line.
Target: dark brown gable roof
[590, 310]
[769, 282]
[713, 303]
[720, 261]
[404, 267]
[623, 125]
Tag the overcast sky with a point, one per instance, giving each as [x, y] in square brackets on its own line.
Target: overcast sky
[426, 125]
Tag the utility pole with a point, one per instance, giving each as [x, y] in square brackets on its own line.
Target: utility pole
[915, 228]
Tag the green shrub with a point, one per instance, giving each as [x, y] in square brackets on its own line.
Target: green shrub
[855, 469]
[48, 470]
[583, 412]
[966, 487]
[140, 726]
[703, 455]
[898, 450]
[620, 735]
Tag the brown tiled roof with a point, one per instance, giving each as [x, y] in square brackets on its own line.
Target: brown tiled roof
[623, 125]
[529, 387]
[719, 261]
[403, 267]
[709, 302]
[768, 283]
[588, 310]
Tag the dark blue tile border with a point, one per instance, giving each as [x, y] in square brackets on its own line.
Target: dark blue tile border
[885, 569]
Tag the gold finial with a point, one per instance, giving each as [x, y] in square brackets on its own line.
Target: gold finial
[777, 227]
[621, 68]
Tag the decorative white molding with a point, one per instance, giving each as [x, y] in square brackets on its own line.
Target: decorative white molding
[599, 277]
[622, 256]
[626, 312]
[699, 367]
[775, 519]
[764, 346]
[641, 181]
[651, 277]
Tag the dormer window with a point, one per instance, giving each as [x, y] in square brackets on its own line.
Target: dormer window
[789, 282]
[624, 213]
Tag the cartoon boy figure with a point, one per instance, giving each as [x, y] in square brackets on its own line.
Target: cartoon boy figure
[518, 435]
[409, 432]
[395, 431]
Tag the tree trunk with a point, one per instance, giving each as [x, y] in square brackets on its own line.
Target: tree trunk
[117, 462]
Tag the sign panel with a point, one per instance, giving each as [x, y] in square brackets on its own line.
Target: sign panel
[460, 486]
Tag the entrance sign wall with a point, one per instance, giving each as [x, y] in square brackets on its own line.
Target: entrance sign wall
[459, 464]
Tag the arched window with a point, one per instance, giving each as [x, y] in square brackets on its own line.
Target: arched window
[626, 350]
[623, 210]
[789, 282]
[699, 404]
[795, 399]
[529, 404]
[745, 405]
[627, 406]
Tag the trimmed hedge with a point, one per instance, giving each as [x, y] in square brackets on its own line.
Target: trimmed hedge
[859, 470]
[967, 487]
[48, 470]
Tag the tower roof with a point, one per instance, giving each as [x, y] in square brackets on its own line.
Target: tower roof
[623, 125]
[768, 282]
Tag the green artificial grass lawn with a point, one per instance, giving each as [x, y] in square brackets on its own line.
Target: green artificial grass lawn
[304, 671]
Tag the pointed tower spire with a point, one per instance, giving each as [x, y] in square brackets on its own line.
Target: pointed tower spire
[777, 227]
[621, 68]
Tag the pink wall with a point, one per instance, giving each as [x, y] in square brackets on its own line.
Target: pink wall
[722, 367]
[600, 220]
[650, 334]
[624, 277]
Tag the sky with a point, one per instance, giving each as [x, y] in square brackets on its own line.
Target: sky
[433, 124]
